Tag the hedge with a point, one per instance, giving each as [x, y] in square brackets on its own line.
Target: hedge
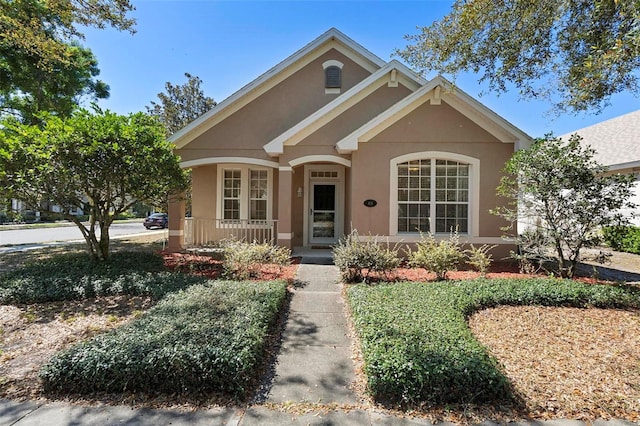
[418, 348]
[76, 277]
[208, 338]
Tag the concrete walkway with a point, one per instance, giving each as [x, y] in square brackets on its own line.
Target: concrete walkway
[314, 363]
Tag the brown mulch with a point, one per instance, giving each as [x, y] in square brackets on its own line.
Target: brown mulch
[567, 362]
[31, 334]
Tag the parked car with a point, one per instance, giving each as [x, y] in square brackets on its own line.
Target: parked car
[157, 220]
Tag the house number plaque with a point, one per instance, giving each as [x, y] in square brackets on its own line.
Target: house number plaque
[370, 203]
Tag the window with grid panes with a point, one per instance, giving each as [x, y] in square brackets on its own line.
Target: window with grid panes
[433, 196]
[231, 185]
[258, 184]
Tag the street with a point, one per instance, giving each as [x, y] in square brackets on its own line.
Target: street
[64, 233]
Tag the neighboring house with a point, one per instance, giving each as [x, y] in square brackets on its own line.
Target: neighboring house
[617, 145]
[333, 139]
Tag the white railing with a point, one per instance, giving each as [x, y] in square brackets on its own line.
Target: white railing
[206, 232]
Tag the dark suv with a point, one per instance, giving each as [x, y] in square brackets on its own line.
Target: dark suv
[157, 220]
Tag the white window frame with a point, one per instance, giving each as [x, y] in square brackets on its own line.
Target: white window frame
[245, 192]
[339, 65]
[474, 189]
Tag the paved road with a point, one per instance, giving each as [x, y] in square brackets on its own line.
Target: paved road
[63, 233]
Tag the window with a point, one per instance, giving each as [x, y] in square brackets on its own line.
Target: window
[432, 195]
[244, 192]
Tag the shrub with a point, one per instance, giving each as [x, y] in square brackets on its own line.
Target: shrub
[418, 348]
[242, 260]
[623, 238]
[208, 338]
[480, 258]
[357, 259]
[76, 276]
[439, 257]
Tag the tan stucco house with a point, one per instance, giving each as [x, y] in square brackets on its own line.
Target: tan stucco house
[334, 138]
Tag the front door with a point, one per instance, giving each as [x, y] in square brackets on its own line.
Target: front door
[322, 223]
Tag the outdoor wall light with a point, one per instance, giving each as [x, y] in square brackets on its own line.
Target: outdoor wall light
[299, 192]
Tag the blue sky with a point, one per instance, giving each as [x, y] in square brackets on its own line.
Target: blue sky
[230, 43]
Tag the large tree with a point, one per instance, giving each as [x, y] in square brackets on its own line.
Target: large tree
[42, 65]
[575, 53]
[563, 196]
[101, 161]
[181, 104]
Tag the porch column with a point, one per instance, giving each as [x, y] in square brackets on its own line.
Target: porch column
[285, 229]
[176, 222]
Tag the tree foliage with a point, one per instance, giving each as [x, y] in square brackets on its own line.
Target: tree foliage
[42, 65]
[575, 53]
[563, 196]
[101, 161]
[181, 104]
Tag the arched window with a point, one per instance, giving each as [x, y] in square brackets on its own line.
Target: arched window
[433, 194]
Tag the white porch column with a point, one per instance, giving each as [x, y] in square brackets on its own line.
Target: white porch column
[285, 228]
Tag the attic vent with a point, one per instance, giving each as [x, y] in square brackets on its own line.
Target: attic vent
[332, 76]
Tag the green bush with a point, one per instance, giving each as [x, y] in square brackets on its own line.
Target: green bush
[76, 276]
[208, 338]
[623, 238]
[439, 257]
[242, 260]
[480, 258]
[418, 348]
[357, 259]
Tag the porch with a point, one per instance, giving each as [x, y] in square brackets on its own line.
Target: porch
[207, 232]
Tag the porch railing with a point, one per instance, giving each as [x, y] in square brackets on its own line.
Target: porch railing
[204, 232]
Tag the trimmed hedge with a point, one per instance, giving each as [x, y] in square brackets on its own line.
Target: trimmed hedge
[76, 276]
[210, 337]
[623, 238]
[418, 347]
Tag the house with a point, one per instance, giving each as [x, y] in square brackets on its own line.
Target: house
[617, 145]
[334, 138]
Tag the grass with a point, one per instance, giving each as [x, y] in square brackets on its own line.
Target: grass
[418, 349]
[208, 338]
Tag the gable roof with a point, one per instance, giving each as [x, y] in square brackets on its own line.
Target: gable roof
[435, 91]
[330, 39]
[331, 110]
[616, 141]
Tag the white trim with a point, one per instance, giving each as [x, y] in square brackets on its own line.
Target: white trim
[285, 169]
[332, 63]
[244, 189]
[176, 232]
[331, 39]
[340, 198]
[332, 91]
[320, 158]
[331, 110]
[228, 160]
[414, 238]
[285, 235]
[474, 188]
[465, 104]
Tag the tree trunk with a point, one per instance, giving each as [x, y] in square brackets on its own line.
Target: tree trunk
[104, 240]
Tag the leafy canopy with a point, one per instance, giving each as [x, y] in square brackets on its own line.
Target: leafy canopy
[576, 54]
[563, 196]
[181, 104]
[99, 160]
[42, 65]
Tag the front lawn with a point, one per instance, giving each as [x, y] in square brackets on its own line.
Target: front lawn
[418, 349]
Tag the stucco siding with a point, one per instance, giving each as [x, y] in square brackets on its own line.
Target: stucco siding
[274, 112]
